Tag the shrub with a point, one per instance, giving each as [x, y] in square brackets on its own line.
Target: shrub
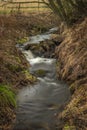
[68, 10]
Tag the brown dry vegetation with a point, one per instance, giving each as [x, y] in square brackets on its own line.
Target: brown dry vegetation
[72, 67]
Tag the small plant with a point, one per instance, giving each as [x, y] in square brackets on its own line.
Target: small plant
[69, 11]
[7, 97]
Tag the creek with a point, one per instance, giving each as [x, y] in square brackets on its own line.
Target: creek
[39, 104]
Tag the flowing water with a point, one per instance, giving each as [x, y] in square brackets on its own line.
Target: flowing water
[39, 104]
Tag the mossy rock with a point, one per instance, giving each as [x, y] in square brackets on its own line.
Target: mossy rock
[29, 76]
[40, 73]
[23, 40]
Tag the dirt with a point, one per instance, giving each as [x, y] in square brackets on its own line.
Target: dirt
[72, 67]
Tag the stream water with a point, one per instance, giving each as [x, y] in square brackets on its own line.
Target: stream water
[39, 104]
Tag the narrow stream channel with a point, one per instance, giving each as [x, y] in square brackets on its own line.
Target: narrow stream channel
[38, 104]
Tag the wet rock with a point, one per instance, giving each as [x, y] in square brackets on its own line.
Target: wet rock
[43, 49]
[40, 73]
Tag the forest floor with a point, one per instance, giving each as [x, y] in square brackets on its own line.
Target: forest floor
[71, 55]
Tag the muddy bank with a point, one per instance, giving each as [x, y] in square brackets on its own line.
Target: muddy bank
[72, 67]
[13, 65]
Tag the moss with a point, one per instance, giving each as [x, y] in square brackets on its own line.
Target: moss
[68, 127]
[7, 97]
[29, 76]
[23, 40]
[40, 72]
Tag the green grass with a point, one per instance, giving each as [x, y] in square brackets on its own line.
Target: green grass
[7, 97]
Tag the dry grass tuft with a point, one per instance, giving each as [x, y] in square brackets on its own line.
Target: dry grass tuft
[72, 55]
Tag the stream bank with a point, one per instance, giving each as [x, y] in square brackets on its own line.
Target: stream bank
[72, 58]
[13, 65]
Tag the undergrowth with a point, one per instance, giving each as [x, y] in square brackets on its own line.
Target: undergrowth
[7, 97]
